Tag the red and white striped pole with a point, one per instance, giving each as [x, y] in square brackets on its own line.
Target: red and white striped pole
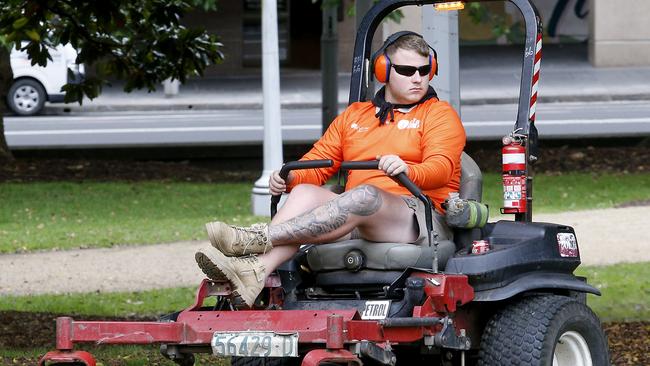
[537, 63]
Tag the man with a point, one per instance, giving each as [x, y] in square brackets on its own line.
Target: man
[405, 127]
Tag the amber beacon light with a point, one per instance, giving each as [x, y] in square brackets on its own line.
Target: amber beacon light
[452, 5]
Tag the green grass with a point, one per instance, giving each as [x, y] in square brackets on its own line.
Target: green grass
[625, 291]
[112, 304]
[570, 192]
[65, 215]
[71, 215]
[107, 356]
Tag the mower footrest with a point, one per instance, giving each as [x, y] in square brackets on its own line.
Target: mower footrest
[315, 357]
[62, 357]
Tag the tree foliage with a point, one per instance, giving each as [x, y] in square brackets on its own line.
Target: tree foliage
[513, 32]
[142, 42]
[396, 16]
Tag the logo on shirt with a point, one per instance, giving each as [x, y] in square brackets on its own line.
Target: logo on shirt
[414, 123]
[355, 126]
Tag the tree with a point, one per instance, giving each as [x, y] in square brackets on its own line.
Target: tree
[142, 42]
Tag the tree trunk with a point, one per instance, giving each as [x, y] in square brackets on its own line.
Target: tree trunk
[6, 78]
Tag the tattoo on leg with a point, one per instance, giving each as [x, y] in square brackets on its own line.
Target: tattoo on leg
[364, 200]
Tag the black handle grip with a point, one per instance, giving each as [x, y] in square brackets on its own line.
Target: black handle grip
[408, 183]
[360, 165]
[296, 165]
[402, 178]
[305, 164]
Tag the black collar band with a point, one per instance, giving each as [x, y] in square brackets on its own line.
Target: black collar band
[385, 107]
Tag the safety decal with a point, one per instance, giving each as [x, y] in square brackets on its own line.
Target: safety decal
[567, 244]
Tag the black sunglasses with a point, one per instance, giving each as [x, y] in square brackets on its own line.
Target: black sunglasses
[410, 70]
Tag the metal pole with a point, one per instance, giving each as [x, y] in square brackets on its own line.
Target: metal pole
[272, 119]
[440, 30]
[329, 65]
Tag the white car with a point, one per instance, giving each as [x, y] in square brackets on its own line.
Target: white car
[35, 85]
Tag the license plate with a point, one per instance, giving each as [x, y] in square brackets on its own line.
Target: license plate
[255, 344]
[377, 309]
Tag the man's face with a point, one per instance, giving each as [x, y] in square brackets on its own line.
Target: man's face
[402, 89]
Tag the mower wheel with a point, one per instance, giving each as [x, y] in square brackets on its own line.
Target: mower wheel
[262, 361]
[544, 330]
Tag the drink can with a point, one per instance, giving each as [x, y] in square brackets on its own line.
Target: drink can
[480, 246]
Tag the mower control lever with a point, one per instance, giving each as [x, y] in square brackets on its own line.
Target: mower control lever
[374, 164]
[296, 165]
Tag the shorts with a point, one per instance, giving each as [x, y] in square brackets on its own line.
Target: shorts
[439, 225]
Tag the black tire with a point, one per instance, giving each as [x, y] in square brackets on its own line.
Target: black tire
[527, 332]
[26, 97]
[264, 361]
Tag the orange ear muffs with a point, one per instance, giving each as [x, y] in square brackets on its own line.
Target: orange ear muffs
[433, 61]
[381, 68]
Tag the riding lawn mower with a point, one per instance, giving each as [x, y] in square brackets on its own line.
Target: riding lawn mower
[499, 293]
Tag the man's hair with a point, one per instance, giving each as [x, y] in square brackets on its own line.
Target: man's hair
[409, 42]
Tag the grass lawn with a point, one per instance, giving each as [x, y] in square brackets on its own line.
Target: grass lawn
[571, 192]
[625, 291]
[108, 356]
[71, 215]
[41, 216]
[111, 304]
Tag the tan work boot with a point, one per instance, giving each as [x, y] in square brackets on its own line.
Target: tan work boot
[235, 241]
[247, 274]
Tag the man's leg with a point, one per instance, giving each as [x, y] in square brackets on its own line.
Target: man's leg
[303, 198]
[237, 241]
[380, 216]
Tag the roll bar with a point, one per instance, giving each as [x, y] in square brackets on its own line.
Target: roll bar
[524, 128]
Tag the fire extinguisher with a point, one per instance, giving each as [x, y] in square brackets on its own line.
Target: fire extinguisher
[514, 176]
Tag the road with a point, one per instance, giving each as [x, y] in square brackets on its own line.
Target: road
[223, 127]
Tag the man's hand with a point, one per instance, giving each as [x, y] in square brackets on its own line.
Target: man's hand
[277, 185]
[392, 164]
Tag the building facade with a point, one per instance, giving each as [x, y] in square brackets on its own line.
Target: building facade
[614, 32]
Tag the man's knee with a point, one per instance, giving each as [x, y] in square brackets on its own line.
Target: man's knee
[302, 190]
[363, 200]
[309, 195]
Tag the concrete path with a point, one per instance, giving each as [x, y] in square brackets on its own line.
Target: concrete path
[605, 237]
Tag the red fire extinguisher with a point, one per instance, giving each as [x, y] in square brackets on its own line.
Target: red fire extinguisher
[514, 176]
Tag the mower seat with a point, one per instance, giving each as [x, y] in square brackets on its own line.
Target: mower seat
[471, 188]
[358, 254]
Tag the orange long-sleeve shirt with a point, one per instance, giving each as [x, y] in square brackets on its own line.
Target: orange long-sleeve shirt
[429, 137]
